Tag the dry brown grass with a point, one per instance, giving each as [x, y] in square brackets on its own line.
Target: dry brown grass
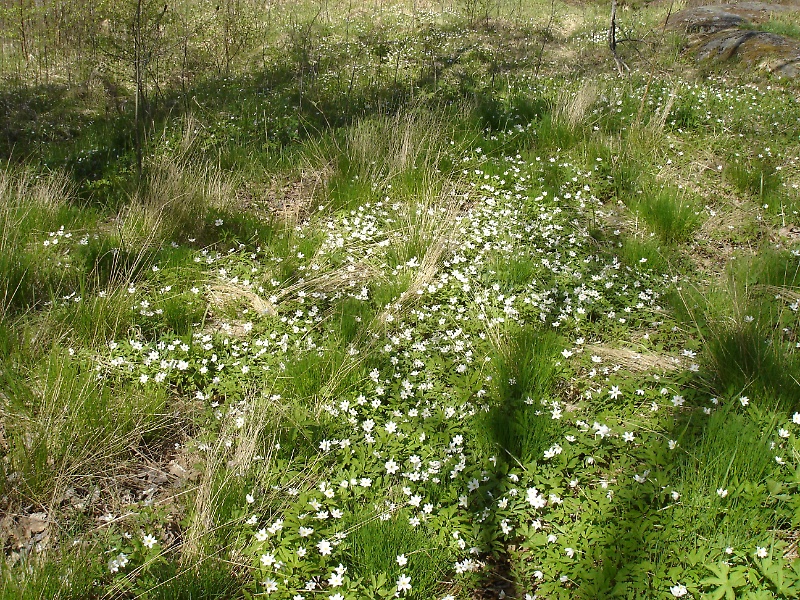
[572, 108]
[634, 361]
[227, 460]
[222, 294]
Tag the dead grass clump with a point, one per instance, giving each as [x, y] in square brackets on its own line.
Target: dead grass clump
[223, 294]
[634, 361]
[572, 108]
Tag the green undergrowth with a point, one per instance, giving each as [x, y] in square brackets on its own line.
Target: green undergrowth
[397, 309]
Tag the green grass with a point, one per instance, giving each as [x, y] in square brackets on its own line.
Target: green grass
[524, 372]
[64, 578]
[537, 276]
[352, 319]
[209, 580]
[644, 253]
[32, 210]
[783, 25]
[727, 451]
[747, 328]
[514, 273]
[747, 357]
[757, 177]
[670, 213]
[375, 545]
[66, 423]
[619, 176]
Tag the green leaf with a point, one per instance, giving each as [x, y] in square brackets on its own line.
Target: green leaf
[725, 581]
[783, 580]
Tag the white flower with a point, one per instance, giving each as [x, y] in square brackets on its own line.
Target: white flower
[678, 590]
[744, 400]
[391, 467]
[403, 583]
[761, 552]
[569, 552]
[796, 418]
[628, 436]
[149, 541]
[306, 531]
[335, 580]
[554, 450]
[115, 564]
[534, 499]
[402, 560]
[324, 547]
[601, 430]
[784, 433]
[270, 585]
[276, 526]
[721, 492]
[615, 392]
[250, 498]
[267, 560]
[261, 535]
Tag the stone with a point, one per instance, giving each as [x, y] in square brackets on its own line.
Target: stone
[718, 17]
[724, 32]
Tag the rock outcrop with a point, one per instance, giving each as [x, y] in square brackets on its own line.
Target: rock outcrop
[729, 31]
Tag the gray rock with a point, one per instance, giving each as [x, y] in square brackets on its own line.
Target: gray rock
[722, 33]
[705, 19]
[718, 17]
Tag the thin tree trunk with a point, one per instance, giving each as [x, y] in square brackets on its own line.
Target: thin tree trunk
[669, 14]
[545, 37]
[612, 40]
[22, 26]
[137, 117]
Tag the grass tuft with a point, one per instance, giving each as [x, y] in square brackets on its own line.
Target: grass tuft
[670, 213]
[525, 371]
[375, 545]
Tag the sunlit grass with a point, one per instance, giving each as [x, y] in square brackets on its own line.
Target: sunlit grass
[398, 309]
[670, 213]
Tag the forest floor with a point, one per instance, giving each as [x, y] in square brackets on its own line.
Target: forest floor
[410, 303]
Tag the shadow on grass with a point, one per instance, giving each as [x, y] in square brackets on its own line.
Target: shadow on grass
[257, 116]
